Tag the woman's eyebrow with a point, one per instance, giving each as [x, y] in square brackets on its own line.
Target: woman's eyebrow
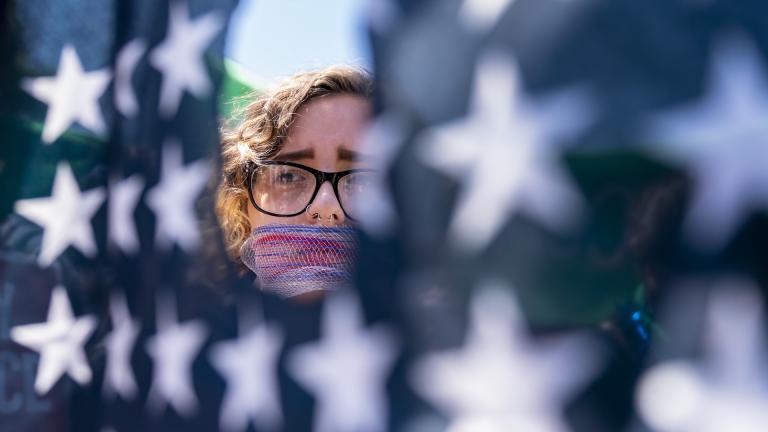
[351, 155]
[308, 153]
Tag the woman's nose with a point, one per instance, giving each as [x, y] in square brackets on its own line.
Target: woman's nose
[325, 209]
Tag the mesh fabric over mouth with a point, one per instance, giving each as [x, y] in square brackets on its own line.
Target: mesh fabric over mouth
[290, 260]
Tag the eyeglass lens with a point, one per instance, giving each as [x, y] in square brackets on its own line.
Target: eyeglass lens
[287, 190]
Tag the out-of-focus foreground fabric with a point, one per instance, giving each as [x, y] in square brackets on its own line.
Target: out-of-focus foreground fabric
[570, 235]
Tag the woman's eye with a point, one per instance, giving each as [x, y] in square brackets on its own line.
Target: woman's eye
[285, 177]
[289, 178]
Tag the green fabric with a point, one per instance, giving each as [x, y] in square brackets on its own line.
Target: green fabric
[237, 84]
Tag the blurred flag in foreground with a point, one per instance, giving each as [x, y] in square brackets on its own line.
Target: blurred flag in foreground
[555, 173]
[110, 141]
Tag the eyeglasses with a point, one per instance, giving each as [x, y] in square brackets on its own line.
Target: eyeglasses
[286, 189]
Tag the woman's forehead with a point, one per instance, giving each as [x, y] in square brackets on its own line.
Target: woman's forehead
[328, 123]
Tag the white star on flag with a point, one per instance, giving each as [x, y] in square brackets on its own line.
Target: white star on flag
[347, 370]
[482, 15]
[723, 140]
[726, 392]
[504, 154]
[173, 198]
[64, 216]
[249, 364]
[125, 65]
[59, 341]
[123, 197]
[118, 377]
[180, 56]
[72, 96]
[500, 380]
[173, 350]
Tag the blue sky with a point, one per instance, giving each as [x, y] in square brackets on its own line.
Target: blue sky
[275, 38]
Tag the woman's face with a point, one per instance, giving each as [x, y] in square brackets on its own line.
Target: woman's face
[326, 136]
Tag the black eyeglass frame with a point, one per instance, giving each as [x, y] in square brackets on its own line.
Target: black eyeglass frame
[320, 178]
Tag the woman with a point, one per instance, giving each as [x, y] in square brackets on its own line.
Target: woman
[291, 175]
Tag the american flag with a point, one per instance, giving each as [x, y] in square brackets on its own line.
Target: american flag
[570, 237]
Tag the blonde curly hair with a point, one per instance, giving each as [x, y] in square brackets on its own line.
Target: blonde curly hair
[260, 134]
